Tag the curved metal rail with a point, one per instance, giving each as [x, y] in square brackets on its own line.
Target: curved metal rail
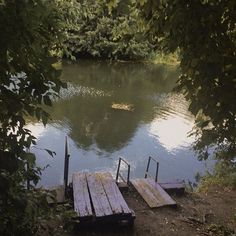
[147, 169]
[118, 174]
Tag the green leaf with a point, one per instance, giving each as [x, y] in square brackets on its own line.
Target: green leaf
[51, 153]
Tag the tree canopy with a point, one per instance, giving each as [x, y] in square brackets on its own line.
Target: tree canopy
[108, 31]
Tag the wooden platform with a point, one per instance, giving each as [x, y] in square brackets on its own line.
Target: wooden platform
[152, 193]
[173, 187]
[97, 197]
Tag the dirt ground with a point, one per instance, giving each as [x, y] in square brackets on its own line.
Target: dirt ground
[211, 213]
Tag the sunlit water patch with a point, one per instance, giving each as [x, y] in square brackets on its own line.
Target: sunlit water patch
[173, 123]
[172, 133]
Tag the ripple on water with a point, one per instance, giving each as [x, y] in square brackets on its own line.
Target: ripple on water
[75, 90]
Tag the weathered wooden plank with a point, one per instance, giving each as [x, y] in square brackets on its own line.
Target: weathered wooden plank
[115, 198]
[111, 194]
[160, 193]
[145, 192]
[152, 193]
[159, 199]
[177, 187]
[100, 202]
[82, 204]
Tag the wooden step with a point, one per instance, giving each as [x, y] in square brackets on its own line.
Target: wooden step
[153, 194]
[173, 187]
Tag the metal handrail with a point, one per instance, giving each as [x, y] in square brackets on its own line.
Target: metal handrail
[147, 169]
[66, 166]
[118, 174]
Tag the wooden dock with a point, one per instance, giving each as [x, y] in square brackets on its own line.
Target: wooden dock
[152, 193]
[98, 198]
[173, 187]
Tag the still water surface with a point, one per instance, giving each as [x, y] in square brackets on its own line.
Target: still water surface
[98, 134]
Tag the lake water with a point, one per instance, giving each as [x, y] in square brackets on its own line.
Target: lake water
[97, 134]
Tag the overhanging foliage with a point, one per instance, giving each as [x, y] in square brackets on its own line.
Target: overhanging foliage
[32, 33]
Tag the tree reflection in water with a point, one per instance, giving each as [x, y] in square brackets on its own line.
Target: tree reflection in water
[89, 114]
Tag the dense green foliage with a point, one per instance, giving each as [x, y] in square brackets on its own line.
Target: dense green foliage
[104, 32]
[31, 32]
[205, 34]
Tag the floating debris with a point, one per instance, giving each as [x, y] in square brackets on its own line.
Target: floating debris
[123, 106]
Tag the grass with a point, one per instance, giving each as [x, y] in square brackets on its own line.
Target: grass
[223, 175]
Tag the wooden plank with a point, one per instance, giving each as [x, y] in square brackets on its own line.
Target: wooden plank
[115, 198]
[152, 193]
[82, 204]
[174, 181]
[100, 202]
[145, 192]
[177, 187]
[160, 199]
[160, 193]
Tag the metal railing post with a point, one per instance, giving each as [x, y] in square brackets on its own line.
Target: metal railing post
[147, 169]
[128, 174]
[157, 170]
[66, 166]
[118, 170]
[149, 159]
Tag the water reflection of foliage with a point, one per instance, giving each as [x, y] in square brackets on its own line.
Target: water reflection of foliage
[91, 118]
[107, 75]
